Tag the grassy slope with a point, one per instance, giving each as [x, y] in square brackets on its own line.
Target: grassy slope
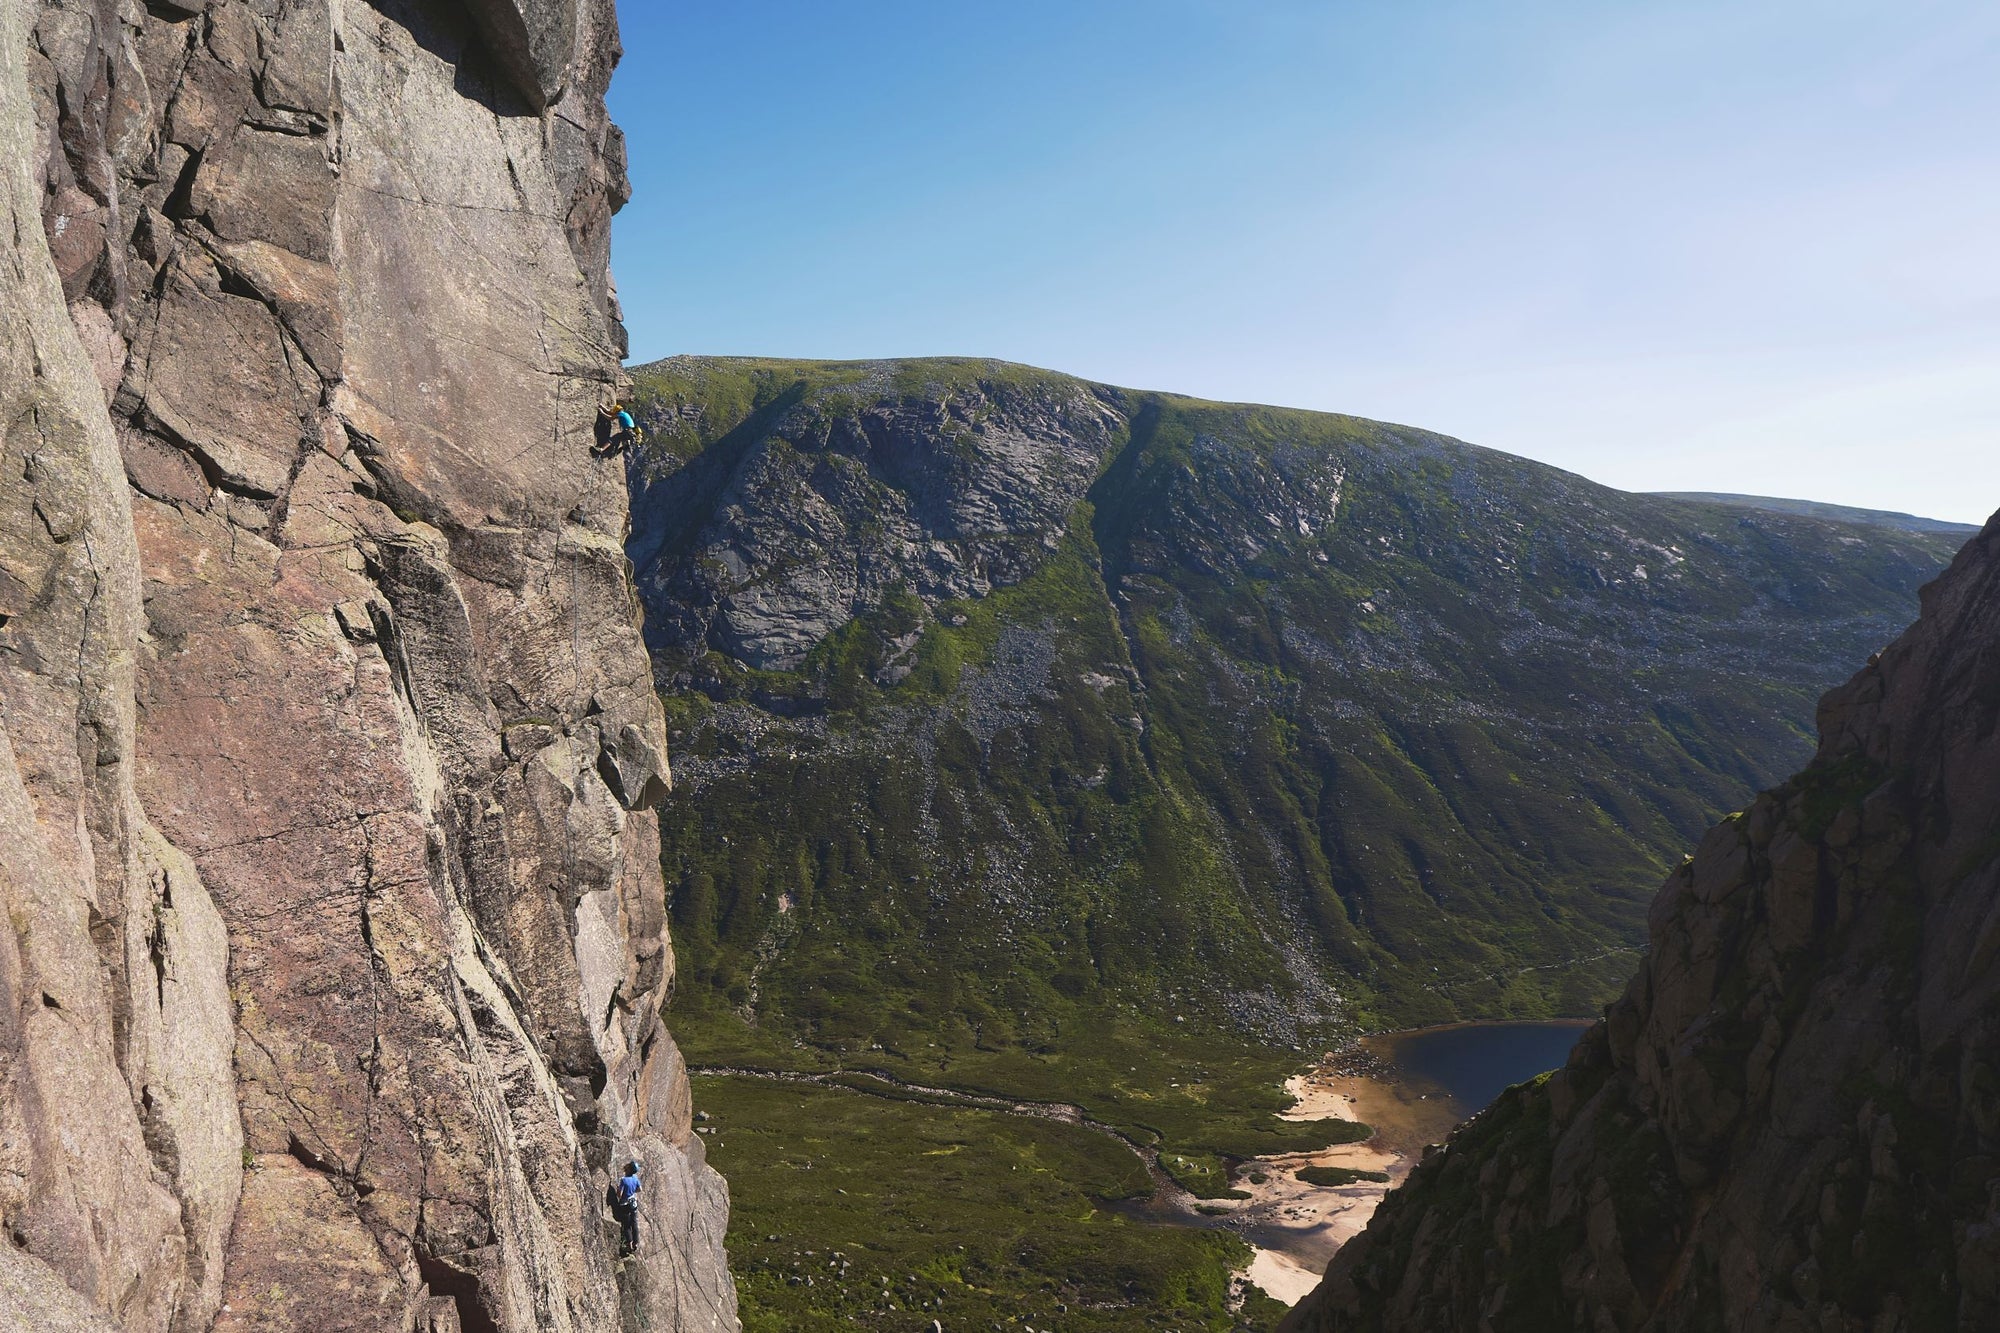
[967, 1217]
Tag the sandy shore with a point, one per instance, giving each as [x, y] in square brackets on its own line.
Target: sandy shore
[1307, 1223]
[1280, 1278]
[1317, 1095]
[1295, 1227]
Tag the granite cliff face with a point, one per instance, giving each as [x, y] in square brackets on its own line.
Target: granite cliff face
[1791, 1120]
[336, 949]
[1007, 702]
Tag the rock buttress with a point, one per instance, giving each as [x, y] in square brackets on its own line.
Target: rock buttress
[337, 966]
[1791, 1120]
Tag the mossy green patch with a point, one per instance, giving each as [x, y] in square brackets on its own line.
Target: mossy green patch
[851, 1210]
[1333, 1176]
[1207, 1103]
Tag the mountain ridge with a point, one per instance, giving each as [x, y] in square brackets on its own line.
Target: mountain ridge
[1195, 618]
[1880, 518]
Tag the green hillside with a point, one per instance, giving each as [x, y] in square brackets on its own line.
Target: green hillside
[851, 1210]
[1028, 729]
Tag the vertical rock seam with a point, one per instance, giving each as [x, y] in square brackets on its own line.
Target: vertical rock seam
[1791, 1120]
[336, 948]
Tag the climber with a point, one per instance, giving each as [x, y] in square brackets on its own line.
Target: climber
[626, 1206]
[615, 430]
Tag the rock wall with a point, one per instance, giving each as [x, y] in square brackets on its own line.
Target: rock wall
[336, 953]
[1791, 1120]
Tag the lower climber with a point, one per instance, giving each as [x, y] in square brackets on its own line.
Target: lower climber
[626, 1206]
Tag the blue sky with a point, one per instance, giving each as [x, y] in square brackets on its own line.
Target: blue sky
[1748, 246]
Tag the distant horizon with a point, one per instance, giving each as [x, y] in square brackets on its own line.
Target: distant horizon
[1711, 249]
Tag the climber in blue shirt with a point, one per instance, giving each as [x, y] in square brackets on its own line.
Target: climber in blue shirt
[626, 1206]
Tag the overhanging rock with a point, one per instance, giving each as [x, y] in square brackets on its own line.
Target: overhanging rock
[534, 41]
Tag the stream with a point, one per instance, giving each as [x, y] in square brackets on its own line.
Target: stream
[1166, 1190]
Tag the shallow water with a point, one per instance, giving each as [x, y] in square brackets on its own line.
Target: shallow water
[1474, 1062]
[1424, 1083]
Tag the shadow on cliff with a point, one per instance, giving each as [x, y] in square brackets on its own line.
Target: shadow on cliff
[446, 30]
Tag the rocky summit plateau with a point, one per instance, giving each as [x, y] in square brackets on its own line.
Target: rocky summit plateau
[332, 987]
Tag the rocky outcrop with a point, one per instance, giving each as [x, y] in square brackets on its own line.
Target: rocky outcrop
[766, 546]
[336, 951]
[534, 43]
[1791, 1120]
